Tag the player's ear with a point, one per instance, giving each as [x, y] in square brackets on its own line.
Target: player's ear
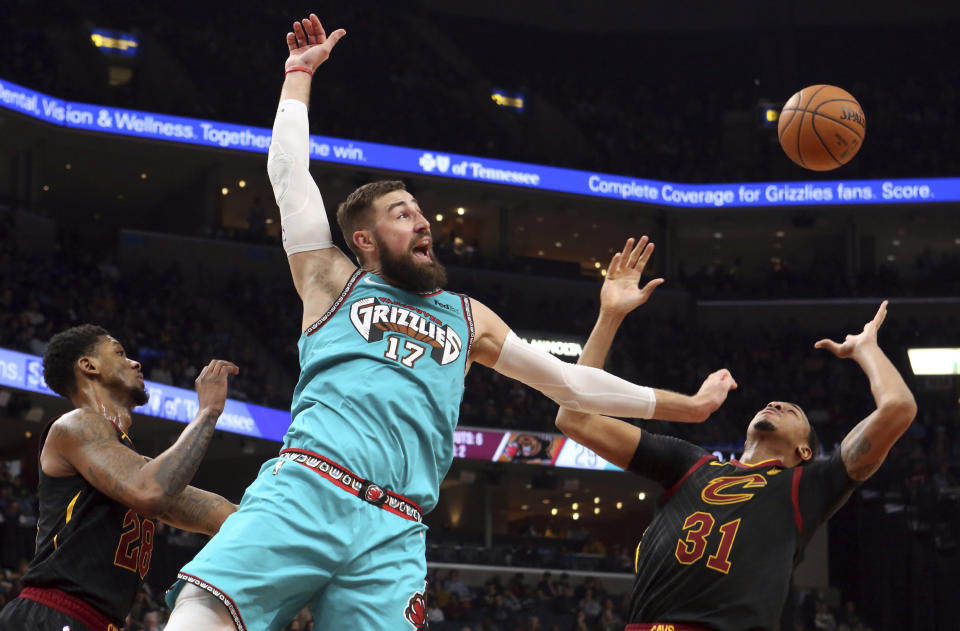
[88, 366]
[363, 240]
[804, 452]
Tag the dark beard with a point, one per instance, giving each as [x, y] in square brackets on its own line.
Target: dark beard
[407, 274]
[139, 396]
[765, 426]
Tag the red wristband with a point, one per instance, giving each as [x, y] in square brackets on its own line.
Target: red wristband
[299, 69]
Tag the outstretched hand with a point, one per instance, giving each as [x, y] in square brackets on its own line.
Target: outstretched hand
[714, 390]
[309, 44]
[212, 384]
[621, 292]
[854, 343]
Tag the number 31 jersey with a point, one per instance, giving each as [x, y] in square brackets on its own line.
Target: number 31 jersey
[722, 547]
[381, 380]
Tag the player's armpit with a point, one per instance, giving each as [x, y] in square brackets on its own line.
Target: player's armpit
[88, 442]
[319, 276]
[197, 510]
[612, 439]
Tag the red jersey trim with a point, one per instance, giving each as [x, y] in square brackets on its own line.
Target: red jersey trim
[699, 463]
[344, 294]
[72, 606]
[217, 593]
[795, 497]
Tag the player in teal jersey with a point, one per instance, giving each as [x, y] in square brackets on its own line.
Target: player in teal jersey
[335, 521]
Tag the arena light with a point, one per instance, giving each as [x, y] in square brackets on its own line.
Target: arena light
[934, 361]
[769, 114]
[114, 42]
[511, 100]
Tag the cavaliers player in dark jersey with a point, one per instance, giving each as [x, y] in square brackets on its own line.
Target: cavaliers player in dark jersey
[98, 497]
[721, 548]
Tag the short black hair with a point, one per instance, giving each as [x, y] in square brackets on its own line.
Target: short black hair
[813, 441]
[63, 351]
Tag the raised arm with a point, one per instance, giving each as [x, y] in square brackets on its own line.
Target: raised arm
[578, 387]
[864, 449]
[86, 443]
[319, 269]
[613, 439]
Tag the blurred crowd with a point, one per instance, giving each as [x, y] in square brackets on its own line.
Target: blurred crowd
[428, 81]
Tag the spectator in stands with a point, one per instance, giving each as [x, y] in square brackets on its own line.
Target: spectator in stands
[545, 588]
[455, 585]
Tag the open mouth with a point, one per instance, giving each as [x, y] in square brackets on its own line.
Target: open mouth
[421, 253]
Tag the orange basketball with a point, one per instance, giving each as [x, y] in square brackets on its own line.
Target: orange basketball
[821, 127]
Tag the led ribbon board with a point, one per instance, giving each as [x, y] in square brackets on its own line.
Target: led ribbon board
[192, 131]
[25, 372]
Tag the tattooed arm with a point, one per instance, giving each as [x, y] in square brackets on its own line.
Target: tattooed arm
[197, 510]
[86, 443]
[864, 449]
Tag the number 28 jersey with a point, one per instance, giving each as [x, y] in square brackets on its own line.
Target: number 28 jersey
[726, 536]
[381, 380]
[89, 545]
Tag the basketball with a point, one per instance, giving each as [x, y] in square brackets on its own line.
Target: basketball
[821, 127]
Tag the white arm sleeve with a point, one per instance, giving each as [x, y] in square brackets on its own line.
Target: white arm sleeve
[579, 388]
[302, 215]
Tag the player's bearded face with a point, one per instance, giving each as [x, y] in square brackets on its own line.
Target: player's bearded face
[404, 270]
[123, 373]
[139, 395]
[779, 419]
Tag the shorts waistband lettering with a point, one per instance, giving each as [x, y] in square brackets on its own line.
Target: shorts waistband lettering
[367, 491]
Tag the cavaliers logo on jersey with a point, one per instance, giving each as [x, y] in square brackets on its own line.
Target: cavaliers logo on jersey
[720, 491]
[373, 318]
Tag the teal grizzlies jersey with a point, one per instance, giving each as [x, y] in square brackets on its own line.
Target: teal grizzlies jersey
[381, 380]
